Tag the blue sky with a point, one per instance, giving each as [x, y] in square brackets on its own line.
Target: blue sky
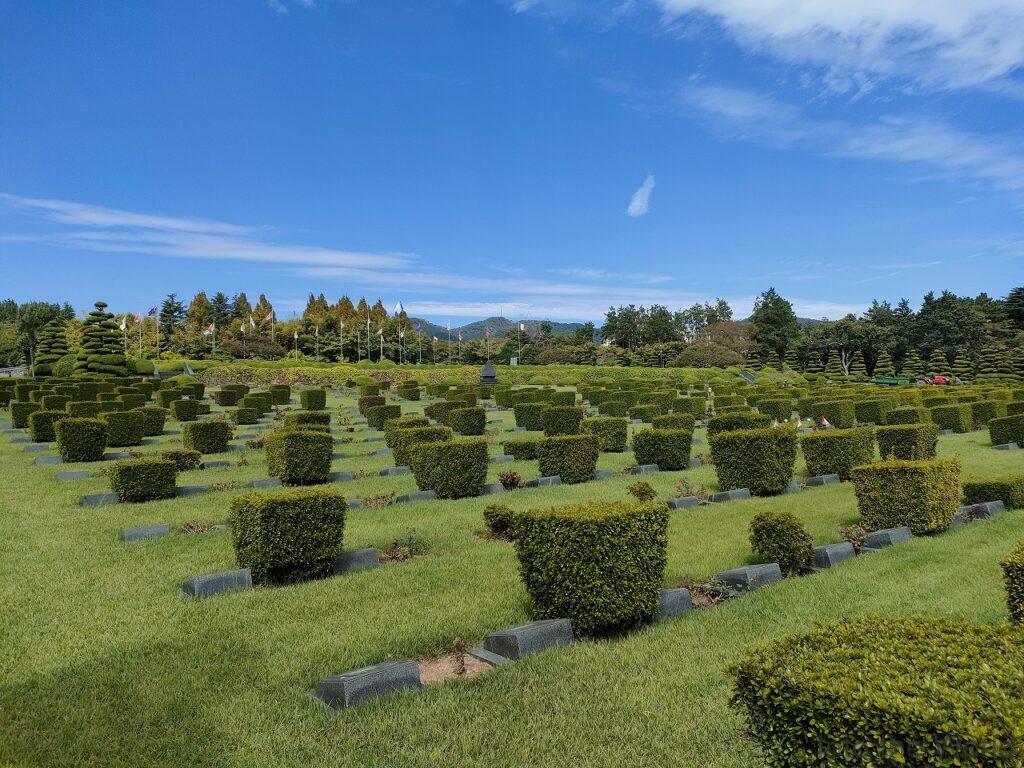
[546, 158]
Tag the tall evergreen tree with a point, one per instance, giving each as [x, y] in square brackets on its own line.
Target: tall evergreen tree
[221, 309]
[199, 314]
[172, 315]
[961, 367]
[912, 366]
[52, 346]
[857, 368]
[775, 323]
[883, 366]
[240, 307]
[791, 361]
[834, 367]
[938, 365]
[101, 352]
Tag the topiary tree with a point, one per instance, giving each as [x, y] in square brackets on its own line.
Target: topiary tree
[994, 363]
[857, 368]
[961, 366]
[754, 362]
[773, 360]
[51, 346]
[101, 352]
[912, 365]
[883, 365]
[791, 361]
[1017, 362]
[814, 364]
[834, 367]
[938, 365]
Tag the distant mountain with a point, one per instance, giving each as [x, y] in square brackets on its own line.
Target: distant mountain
[499, 326]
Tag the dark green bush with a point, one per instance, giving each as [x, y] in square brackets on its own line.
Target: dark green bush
[922, 495]
[837, 451]
[54, 402]
[403, 440]
[83, 409]
[453, 469]
[40, 425]
[392, 426]
[378, 414]
[529, 416]
[983, 411]
[313, 399]
[258, 400]
[369, 390]
[1013, 577]
[184, 461]
[780, 537]
[281, 394]
[563, 397]
[153, 420]
[908, 441]
[611, 432]
[614, 408]
[695, 406]
[299, 456]
[290, 536]
[145, 479]
[244, 415]
[675, 421]
[206, 436]
[1006, 488]
[759, 459]
[571, 457]
[498, 518]
[599, 564]
[872, 411]
[561, 420]
[166, 396]
[20, 411]
[777, 409]
[954, 417]
[921, 692]
[645, 413]
[225, 397]
[1007, 429]
[668, 448]
[468, 421]
[731, 422]
[124, 428]
[371, 401]
[319, 420]
[526, 449]
[80, 439]
[839, 413]
[908, 415]
[185, 410]
[133, 401]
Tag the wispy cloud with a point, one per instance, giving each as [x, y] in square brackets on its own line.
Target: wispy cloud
[605, 274]
[281, 6]
[641, 200]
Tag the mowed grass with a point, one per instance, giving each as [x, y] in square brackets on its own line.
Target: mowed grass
[104, 663]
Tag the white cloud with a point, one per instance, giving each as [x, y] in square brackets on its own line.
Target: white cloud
[522, 6]
[641, 200]
[935, 44]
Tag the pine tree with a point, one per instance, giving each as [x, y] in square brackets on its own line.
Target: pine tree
[51, 346]
[101, 351]
[961, 367]
[883, 365]
[172, 315]
[938, 365]
[221, 309]
[834, 367]
[857, 368]
[241, 308]
[263, 310]
[912, 366]
[200, 313]
[791, 361]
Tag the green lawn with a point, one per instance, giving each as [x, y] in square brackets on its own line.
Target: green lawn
[105, 664]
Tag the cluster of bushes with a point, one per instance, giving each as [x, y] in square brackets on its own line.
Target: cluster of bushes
[1008, 489]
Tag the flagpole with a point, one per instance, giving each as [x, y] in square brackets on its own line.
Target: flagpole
[140, 338]
[316, 334]
[341, 340]
[449, 342]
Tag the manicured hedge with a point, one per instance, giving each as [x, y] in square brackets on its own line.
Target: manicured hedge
[561, 420]
[908, 415]
[318, 420]
[184, 461]
[886, 692]
[290, 536]
[206, 436]
[614, 408]
[611, 432]
[403, 440]
[372, 401]
[153, 420]
[80, 439]
[571, 457]
[759, 459]
[184, 410]
[392, 427]
[922, 495]
[166, 396]
[780, 410]
[599, 564]
[378, 414]
[563, 397]
[299, 456]
[529, 415]
[453, 469]
[1013, 576]
[54, 402]
[1007, 429]
[839, 413]
[124, 428]
[522, 450]
[133, 401]
[313, 399]
[280, 394]
[908, 441]
[225, 397]
[40, 425]
[258, 400]
[20, 411]
[369, 390]
[439, 411]
[837, 451]
[1006, 488]
[872, 411]
[780, 537]
[695, 406]
[675, 421]
[983, 411]
[244, 415]
[145, 479]
[954, 417]
[668, 448]
[646, 413]
[83, 409]
[730, 422]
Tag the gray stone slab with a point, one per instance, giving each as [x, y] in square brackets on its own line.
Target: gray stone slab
[172, 431]
[144, 532]
[945, 432]
[683, 502]
[235, 447]
[342, 477]
[603, 474]
[819, 480]
[221, 464]
[643, 469]
[695, 463]
[751, 577]
[21, 439]
[502, 459]
[43, 461]
[482, 654]
[515, 642]
[492, 488]
[793, 487]
[887, 537]
[338, 456]
[81, 474]
[362, 685]
[391, 471]
[696, 441]
[736, 494]
[266, 482]
[983, 510]
[246, 436]
[673, 602]
[117, 456]
[37, 448]
[374, 440]
[636, 421]
[356, 560]
[405, 498]
[217, 583]
[828, 555]
[543, 482]
[98, 499]
[381, 452]
[354, 503]
[191, 490]
[1007, 447]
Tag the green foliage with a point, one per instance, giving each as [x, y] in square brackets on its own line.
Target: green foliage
[316, 399]
[51, 346]
[453, 469]
[561, 420]
[759, 459]
[280, 394]
[909, 442]
[983, 411]
[403, 440]
[319, 420]
[184, 461]
[529, 416]
[522, 450]
[954, 417]
[872, 411]
[1013, 577]
[498, 518]
[80, 439]
[299, 456]
[378, 414]
[83, 409]
[922, 495]
[20, 411]
[729, 422]
[54, 402]
[668, 448]
[468, 421]
[244, 415]
[1006, 488]
[837, 451]
[124, 428]
[683, 421]
[780, 409]
[611, 432]
[1008, 429]
[780, 537]
[922, 692]
[571, 457]
[614, 408]
[145, 479]
[646, 413]
[206, 436]
[290, 536]
[392, 426]
[101, 346]
[841, 414]
[599, 564]
[908, 415]
[184, 410]
[40, 425]
[225, 397]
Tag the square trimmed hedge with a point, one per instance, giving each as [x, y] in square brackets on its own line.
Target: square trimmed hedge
[244, 415]
[83, 409]
[759, 459]
[571, 457]
[1006, 488]
[838, 451]
[80, 439]
[908, 415]
[561, 420]
[453, 469]
[403, 440]
[290, 536]
[206, 436]
[378, 414]
[675, 421]
[184, 461]
[780, 409]
[143, 479]
[363, 404]
[526, 449]
[529, 416]
[872, 411]
[184, 410]
[470, 421]
[153, 420]
[319, 420]
[841, 414]
[225, 397]
[299, 456]
[922, 495]
[1007, 429]
[599, 564]
[909, 442]
[392, 426]
[730, 422]
[312, 399]
[611, 432]
[124, 428]
[280, 394]
[954, 417]
[1013, 577]
[668, 448]
[40, 425]
[20, 411]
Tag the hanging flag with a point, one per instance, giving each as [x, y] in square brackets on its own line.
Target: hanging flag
[449, 325]
[436, 339]
[460, 334]
[124, 322]
[401, 334]
[138, 318]
[152, 311]
[209, 330]
[316, 331]
[380, 332]
[252, 322]
[487, 333]
[522, 326]
[295, 335]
